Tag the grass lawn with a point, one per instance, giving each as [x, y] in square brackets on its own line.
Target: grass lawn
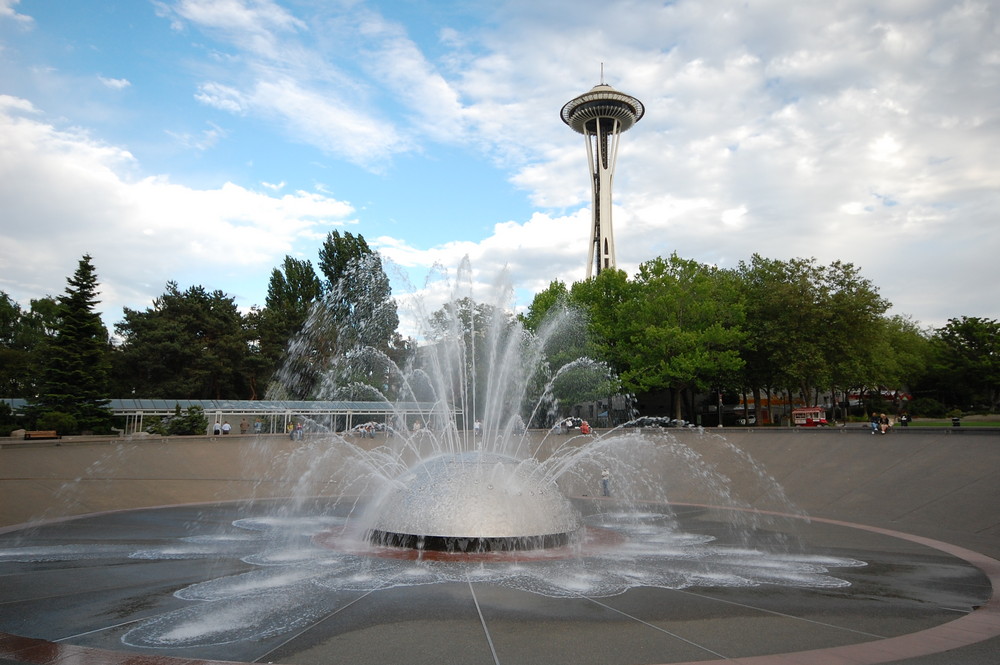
[971, 421]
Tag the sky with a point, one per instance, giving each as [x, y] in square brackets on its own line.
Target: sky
[202, 141]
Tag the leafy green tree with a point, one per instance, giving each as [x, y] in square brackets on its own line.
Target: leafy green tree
[608, 302]
[583, 380]
[14, 357]
[74, 373]
[189, 345]
[811, 327]
[561, 326]
[858, 344]
[554, 296]
[967, 361]
[906, 354]
[23, 335]
[688, 327]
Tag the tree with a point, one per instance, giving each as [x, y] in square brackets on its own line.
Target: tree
[475, 347]
[74, 371]
[357, 293]
[555, 295]
[182, 423]
[810, 326]
[608, 300]
[23, 335]
[189, 345]
[349, 337]
[291, 292]
[688, 327]
[968, 361]
[903, 355]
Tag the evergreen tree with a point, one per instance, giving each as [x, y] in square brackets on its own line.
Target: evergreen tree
[357, 298]
[191, 345]
[350, 335]
[291, 292]
[75, 365]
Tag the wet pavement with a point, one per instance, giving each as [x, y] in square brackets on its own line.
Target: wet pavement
[214, 582]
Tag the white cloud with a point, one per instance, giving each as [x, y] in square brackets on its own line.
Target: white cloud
[846, 131]
[114, 84]
[7, 12]
[66, 194]
[255, 25]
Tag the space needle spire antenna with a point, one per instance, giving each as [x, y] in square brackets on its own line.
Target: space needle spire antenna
[601, 115]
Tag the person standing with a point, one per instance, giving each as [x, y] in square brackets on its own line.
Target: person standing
[226, 427]
[217, 429]
[605, 483]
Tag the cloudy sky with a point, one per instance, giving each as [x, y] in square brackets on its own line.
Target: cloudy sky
[202, 141]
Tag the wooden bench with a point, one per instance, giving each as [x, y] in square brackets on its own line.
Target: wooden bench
[42, 434]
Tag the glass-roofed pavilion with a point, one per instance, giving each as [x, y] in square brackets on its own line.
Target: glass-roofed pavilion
[274, 415]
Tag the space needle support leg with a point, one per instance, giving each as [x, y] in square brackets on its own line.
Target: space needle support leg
[595, 231]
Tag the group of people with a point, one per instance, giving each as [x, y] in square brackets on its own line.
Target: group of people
[880, 423]
[225, 428]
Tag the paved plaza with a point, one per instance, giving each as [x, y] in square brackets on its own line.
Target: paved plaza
[135, 537]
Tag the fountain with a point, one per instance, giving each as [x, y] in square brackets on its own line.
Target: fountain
[436, 501]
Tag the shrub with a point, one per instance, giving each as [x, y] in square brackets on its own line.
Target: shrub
[193, 421]
[63, 423]
[8, 420]
[927, 407]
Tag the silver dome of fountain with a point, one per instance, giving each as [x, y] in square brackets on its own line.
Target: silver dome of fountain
[471, 502]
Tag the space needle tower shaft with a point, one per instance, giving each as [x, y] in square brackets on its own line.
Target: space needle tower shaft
[601, 115]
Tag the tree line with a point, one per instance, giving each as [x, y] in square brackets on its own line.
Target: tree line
[191, 343]
[677, 328]
[769, 327]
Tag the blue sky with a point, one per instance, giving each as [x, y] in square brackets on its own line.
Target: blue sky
[201, 141]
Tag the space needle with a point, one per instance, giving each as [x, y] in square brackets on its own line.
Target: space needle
[601, 115]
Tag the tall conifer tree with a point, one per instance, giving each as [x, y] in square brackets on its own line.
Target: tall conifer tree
[74, 370]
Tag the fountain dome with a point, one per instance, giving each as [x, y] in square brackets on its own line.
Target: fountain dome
[472, 502]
